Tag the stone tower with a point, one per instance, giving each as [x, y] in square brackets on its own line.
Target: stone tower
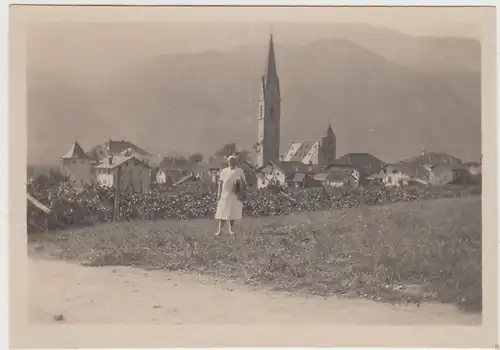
[269, 112]
[328, 147]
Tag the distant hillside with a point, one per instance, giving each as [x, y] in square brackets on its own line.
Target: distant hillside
[391, 103]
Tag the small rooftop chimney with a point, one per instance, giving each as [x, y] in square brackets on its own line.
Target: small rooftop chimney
[110, 159]
[310, 167]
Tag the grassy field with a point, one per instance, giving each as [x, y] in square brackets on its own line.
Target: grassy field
[404, 252]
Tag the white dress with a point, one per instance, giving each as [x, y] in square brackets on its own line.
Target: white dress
[229, 206]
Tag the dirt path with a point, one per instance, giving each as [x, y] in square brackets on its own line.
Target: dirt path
[133, 296]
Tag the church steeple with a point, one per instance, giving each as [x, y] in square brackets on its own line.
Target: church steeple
[269, 112]
[271, 74]
[328, 146]
[329, 131]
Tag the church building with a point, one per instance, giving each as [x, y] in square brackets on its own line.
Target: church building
[321, 152]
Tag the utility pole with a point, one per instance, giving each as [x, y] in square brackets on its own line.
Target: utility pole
[116, 212]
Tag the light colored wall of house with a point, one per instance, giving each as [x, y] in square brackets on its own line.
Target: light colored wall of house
[161, 177]
[348, 181]
[441, 175]
[132, 174]
[80, 171]
[475, 170]
[105, 176]
[269, 174]
[391, 178]
[395, 179]
[335, 184]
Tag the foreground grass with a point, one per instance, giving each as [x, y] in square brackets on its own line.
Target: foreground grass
[410, 252]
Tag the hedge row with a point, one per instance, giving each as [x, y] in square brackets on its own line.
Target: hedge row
[95, 204]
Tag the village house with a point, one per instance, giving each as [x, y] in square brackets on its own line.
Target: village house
[121, 148]
[404, 174]
[170, 176]
[294, 174]
[168, 170]
[339, 176]
[401, 174]
[440, 174]
[469, 173]
[433, 159]
[77, 167]
[302, 180]
[365, 164]
[473, 168]
[132, 174]
[272, 172]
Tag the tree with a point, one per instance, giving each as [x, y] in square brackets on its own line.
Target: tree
[245, 156]
[226, 150]
[172, 162]
[195, 158]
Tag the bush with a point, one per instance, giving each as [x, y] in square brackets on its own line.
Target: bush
[198, 200]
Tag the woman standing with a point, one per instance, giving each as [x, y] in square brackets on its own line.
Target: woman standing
[230, 206]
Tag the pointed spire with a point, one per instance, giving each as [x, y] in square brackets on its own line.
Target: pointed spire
[271, 72]
[329, 130]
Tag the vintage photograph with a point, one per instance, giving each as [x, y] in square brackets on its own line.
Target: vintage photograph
[267, 171]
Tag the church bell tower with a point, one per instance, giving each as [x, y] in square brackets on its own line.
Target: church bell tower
[328, 147]
[268, 140]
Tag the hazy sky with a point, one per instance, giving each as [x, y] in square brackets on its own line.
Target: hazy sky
[163, 26]
[96, 40]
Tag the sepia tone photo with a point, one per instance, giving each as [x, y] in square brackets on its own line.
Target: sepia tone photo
[258, 167]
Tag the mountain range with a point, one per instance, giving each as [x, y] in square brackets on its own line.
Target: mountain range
[382, 91]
